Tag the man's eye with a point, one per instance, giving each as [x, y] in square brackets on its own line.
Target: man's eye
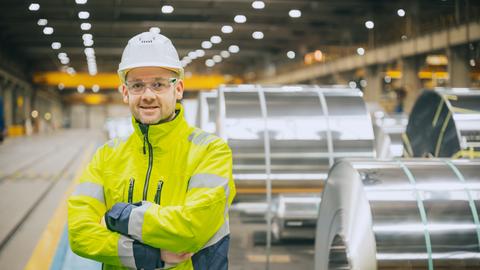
[159, 85]
[137, 86]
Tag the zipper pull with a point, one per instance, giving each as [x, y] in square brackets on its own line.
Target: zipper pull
[159, 192]
[130, 190]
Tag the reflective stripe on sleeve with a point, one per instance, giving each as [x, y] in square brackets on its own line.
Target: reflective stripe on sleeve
[135, 223]
[206, 180]
[91, 190]
[125, 251]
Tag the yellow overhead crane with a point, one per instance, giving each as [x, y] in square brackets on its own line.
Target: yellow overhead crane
[111, 81]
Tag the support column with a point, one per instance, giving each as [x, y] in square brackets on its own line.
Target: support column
[458, 66]
[373, 89]
[410, 81]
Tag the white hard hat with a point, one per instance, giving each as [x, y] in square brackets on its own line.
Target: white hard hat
[149, 49]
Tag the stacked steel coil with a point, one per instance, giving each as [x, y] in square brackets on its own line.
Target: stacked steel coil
[403, 214]
[292, 134]
[445, 123]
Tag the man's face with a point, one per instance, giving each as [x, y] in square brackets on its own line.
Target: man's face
[151, 107]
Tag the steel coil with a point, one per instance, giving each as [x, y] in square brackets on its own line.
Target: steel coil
[445, 123]
[293, 134]
[403, 214]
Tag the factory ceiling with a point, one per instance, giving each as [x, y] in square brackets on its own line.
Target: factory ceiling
[49, 35]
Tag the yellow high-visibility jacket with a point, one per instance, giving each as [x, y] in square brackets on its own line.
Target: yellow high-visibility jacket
[182, 174]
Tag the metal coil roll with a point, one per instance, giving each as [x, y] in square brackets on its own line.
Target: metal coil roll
[402, 214]
[445, 123]
[293, 134]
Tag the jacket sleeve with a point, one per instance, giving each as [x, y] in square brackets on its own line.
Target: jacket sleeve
[90, 239]
[187, 228]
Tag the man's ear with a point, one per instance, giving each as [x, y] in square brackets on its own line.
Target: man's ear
[179, 90]
[125, 94]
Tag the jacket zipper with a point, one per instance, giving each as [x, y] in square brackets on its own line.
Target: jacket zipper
[158, 196]
[150, 163]
[130, 190]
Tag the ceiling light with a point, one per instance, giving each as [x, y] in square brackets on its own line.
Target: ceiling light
[200, 53]
[210, 63]
[34, 7]
[291, 54]
[89, 52]
[48, 30]
[472, 62]
[401, 12]
[61, 86]
[258, 4]
[369, 24]
[227, 29]
[42, 22]
[88, 42]
[257, 35]
[207, 45]
[65, 61]
[352, 84]
[240, 19]
[85, 26]
[56, 45]
[83, 15]
[87, 36]
[167, 9]
[81, 2]
[215, 39]
[81, 88]
[233, 49]
[217, 58]
[155, 30]
[295, 13]
[95, 88]
[192, 55]
[360, 51]
[71, 70]
[225, 54]
[62, 55]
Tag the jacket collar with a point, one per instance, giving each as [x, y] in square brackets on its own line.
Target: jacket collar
[162, 135]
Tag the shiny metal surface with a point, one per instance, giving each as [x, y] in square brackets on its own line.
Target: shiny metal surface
[388, 130]
[445, 123]
[403, 214]
[206, 111]
[308, 129]
[295, 216]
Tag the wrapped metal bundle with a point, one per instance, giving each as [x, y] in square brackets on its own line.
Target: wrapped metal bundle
[293, 134]
[403, 214]
[445, 123]
[388, 130]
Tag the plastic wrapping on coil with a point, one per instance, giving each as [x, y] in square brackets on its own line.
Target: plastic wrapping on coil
[402, 214]
[444, 123]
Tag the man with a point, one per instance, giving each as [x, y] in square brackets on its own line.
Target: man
[164, 192]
